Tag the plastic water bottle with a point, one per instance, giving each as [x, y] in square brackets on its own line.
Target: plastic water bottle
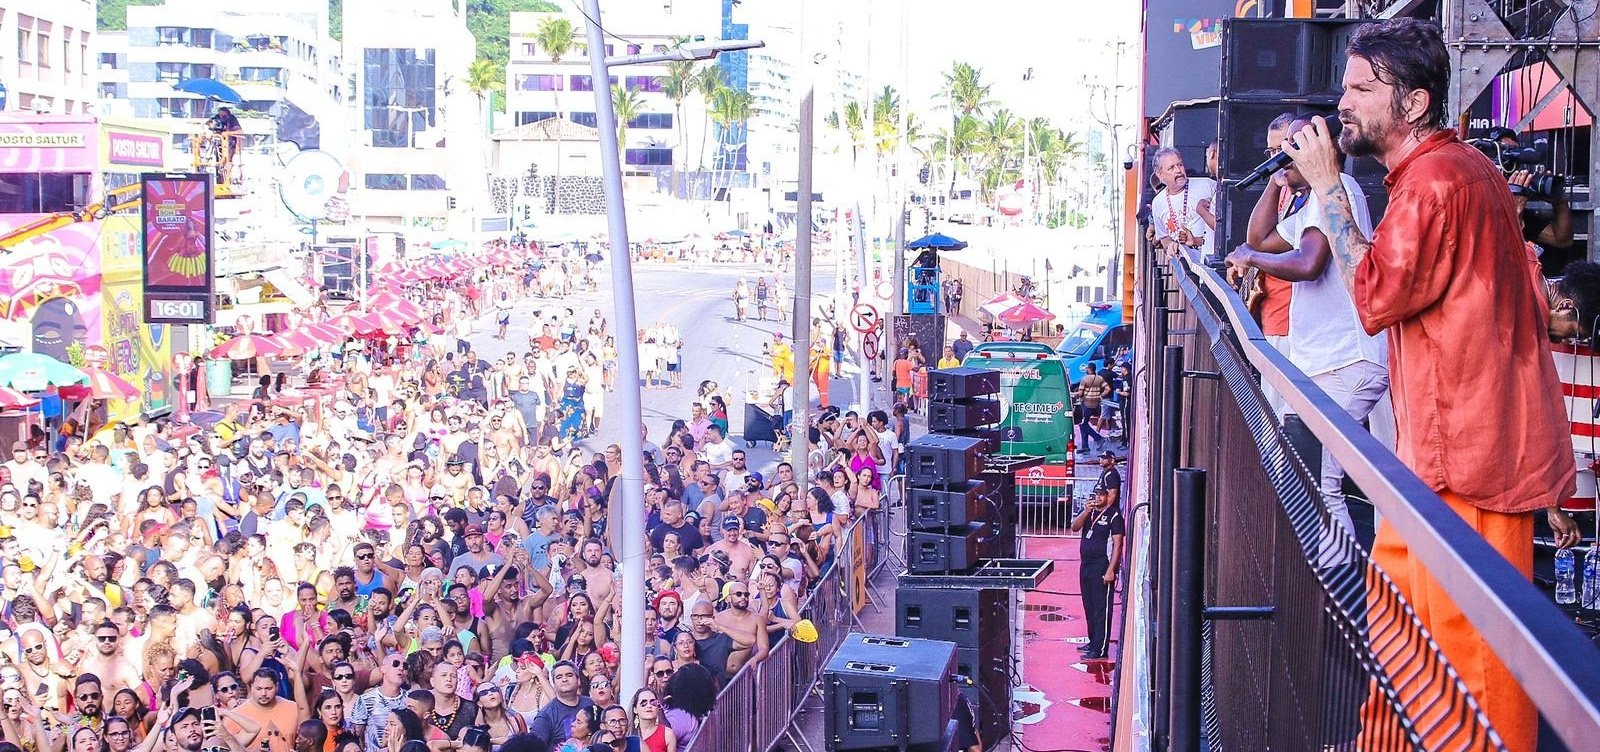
[1564, 576]
[1591, 579]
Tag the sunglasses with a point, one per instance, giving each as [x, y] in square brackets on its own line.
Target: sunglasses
[664, 673]
[649, 702]
[106, 638]
[33, 648]
[229, 688]
[344, 677]
[88, 697]
[365, 556]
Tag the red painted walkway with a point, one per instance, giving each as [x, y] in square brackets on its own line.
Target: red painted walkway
[1074, 712]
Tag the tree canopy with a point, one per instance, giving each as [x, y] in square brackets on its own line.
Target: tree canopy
[490, 23]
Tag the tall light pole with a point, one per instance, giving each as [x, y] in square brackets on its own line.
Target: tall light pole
[799, 444]
[630, 487]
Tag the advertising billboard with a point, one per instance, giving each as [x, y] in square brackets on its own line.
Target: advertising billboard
[140, 353]
[179, 274]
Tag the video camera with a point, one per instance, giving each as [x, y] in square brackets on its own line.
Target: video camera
[1510, 159]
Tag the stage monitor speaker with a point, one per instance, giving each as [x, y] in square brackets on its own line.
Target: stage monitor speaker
[1189, 128]
[888, 693]
[962, 383]
[1284, 59]
[954, 550]
[962, 416]
[936, 509]
[968, 617]
[943, 460]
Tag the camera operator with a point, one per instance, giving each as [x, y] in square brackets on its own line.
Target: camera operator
[1553, 231]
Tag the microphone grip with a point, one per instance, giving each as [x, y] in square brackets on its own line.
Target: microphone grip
[1283, 158]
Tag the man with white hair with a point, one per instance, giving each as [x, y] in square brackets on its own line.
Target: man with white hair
[1181, 214]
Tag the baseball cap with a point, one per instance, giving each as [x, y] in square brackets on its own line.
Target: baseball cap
[755, 476]
[1108, 455]
[474, 530]
[731, 523]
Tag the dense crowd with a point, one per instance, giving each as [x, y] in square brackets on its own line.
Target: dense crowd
[427, 562]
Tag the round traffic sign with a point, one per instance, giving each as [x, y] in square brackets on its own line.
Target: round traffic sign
[869, 346]
[885, 290]
[864, 318]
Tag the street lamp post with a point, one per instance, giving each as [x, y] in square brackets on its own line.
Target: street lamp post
[631, 484]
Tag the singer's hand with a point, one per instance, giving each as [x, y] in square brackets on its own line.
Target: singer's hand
[1315, 155]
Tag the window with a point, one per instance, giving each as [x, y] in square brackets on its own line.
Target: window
[538, 82]
[652, 121]
[529, 49]
[524, 118]
[398, 102]
[170, 72]
[586, 83]
[44, 50]
[649, 157]
[583, 118]
[634, 49]
[643, 83]
[66, 54]
[200, 37]
[43, 193]
[24, 46]
[425, 182]
[172, 34]
[386, 181]
[108, 59]
[267, 75]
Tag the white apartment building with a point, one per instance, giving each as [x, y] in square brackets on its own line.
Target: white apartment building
[44, 55]
[656, 139]
[285, 67]
[410, 59]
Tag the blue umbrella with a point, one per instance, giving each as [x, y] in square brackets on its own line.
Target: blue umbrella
[440, 245]
[938, 242]
[209, 88]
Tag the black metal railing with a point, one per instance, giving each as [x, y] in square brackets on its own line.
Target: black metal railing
[1269, 626]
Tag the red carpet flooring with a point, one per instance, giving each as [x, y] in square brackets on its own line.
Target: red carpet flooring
[1068, 705]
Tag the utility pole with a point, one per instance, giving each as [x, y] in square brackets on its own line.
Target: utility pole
[630, 487]
[799, 444]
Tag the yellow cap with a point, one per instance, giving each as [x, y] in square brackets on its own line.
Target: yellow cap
[804, 631]
[25, 563]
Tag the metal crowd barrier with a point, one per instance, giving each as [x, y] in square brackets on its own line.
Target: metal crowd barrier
[1242, 567]
[759, 706]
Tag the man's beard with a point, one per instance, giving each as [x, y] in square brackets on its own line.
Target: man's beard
[1363, 139]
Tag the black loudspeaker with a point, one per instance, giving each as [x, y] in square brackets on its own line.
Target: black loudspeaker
[956, 549]
[988, 438]
[962, 383]
[987, 688]
[962, 416]
[889, 693]
[941, 460]
[1284, 59]
[1190, 129]
[936, 508]
[968, 617]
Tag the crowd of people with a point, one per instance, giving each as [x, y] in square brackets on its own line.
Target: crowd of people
[427, 563]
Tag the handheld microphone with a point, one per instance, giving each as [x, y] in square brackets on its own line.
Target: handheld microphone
[1283, 158]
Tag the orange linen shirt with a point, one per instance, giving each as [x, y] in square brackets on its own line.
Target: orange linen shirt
[1478, 407]
[1275, 306]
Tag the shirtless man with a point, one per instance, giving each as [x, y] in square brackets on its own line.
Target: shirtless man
[506, 436]
[740, 553]
[504, 607]
[747, 628]
[108, 661]
[456, 479]
[46, 682]
[457, 434]
[596, 578]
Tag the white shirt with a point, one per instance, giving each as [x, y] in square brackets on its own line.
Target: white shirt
[1183, 207]
[1325, 333]
[720, 453]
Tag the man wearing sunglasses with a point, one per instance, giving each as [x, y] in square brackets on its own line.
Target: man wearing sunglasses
[372, 711]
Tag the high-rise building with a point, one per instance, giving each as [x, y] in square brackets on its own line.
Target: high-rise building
[420, 150]
[44, 56]
[658, 138]
[281, 61]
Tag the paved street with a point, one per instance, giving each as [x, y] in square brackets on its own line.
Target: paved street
[697, 298]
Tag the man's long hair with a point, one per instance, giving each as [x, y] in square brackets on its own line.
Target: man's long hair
[1408, 54]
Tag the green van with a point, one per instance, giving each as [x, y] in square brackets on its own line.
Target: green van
[1035, 398]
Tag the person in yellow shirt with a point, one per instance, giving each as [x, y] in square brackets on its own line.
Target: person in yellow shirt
[782, 358]
[949, 359]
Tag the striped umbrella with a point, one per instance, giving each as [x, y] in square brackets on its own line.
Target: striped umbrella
[104, 384]
[245, 347]
[324, 333]
[348, 322]
[33, 372]
[11, 399]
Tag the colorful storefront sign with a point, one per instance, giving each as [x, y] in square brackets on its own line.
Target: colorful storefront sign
[50, 290]
[138, 352]
[47, 143]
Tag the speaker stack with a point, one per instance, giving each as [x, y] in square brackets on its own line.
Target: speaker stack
[956, 519]
[1271, 66]
[887, 693]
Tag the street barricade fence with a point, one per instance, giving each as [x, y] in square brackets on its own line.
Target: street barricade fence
[759, 705]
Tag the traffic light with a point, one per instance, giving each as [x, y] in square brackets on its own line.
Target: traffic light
[924, 174]
[450, 202]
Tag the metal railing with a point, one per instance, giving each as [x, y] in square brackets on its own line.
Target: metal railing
[760, 705]
[1243, 568]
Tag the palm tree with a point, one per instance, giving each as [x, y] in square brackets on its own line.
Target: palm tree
[886, 119]
[730, 108]
[678, 84]
[965, 95]
[554, 35]
[628, 105]
[1000, 136]
[855, 125]
[707, 82]
[484, 77]
[1057, 149]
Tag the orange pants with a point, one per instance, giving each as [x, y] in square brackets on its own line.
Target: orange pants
[819, 378]
[1498, 694]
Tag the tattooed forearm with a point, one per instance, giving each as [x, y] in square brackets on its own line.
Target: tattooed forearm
[1348, 243]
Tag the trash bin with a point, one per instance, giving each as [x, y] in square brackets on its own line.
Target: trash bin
[759, 425]
[219, 378]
